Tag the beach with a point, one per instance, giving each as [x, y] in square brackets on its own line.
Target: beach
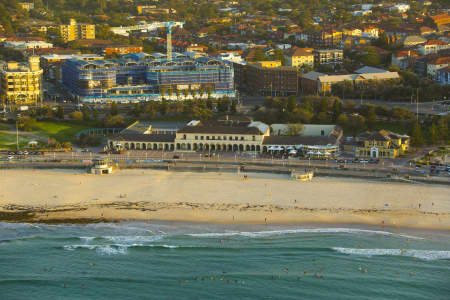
[222, 198]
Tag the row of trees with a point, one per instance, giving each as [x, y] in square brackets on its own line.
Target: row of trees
[331, 110]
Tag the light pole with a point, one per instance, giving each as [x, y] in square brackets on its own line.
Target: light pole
[17, 135]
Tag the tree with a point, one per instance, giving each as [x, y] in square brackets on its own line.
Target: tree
[337, 109]
[163, 107]
[27, 124]
[114, 121]
[295, 129]
[292, 104]
[86, 116]
[371, 117]
[77, 115]
[233, 106]
[356, 123]
[442, 129]
[416, 135]
[114, 109]
[342, 120]
[433, 134]
[60, 112]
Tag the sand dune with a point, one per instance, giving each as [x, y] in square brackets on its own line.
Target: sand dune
[220, 198]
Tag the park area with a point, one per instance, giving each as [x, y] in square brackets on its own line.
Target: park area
[40, 131]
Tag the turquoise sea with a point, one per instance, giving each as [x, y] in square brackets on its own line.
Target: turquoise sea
[165, 260]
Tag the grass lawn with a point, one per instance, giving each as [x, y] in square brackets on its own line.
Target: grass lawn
[8, 141]
[5, 126]
[397, 127]
[60, 131]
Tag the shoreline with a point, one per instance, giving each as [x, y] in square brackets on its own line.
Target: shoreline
[63, 196]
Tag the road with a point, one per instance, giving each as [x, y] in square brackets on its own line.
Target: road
[434, 108]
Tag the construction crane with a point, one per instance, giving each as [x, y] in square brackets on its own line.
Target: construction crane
[169, 26]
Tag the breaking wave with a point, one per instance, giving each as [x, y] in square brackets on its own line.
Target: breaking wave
[420, 254]
[261, 234]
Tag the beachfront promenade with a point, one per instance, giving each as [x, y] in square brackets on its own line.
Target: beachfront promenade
[229, 162]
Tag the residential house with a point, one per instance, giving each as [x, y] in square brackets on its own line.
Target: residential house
[370, 32]
[404, 59]
[436, 64]
[443, 76]
[432, 46]
[413, 40]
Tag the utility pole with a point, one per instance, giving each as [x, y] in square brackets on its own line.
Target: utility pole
[17, 135]
[417, 105]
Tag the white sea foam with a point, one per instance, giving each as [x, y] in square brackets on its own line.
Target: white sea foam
[100, 249]
[421, 254]
[260, 234]
[113, 249]
[87, 239]
[132, 239]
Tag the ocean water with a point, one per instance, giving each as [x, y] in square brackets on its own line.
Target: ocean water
[165, 260]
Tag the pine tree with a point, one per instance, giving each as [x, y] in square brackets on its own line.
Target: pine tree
[416, 135]
[433, 134]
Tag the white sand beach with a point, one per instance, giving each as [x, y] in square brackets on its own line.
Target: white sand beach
[221, 198]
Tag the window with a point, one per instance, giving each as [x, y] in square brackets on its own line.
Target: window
[322, 132]
[201, 137]
[242, 138]
[184, 136]
[225, 138]
[231, 138]
[196, 137]
[213, 137]
[207, 137]
[236, 138]
[253, 138]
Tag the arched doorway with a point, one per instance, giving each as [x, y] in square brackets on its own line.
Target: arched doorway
[155, 146]
[206, 147]
[132, 146]
[230, 148]
[178, 146]
[166, 147]
[213, 147]
[189, 147]
[264, 149]
[201, 146]
[235, 147]
[127, 146]
[247, 148]
[253, 148]
[172, 147]
[258, 148]
[195, 146]
[241, 147]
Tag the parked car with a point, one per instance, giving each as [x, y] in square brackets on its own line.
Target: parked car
[176, 157]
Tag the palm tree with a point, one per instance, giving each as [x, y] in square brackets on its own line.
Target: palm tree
[185, 93]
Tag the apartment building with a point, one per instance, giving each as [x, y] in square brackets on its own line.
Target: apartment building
[332, 56]
[21, 83]
[297, 57]
[74, 31]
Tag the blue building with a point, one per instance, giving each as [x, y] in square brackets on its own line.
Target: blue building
[145, 77]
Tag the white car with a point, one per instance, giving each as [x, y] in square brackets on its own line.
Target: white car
[10, 157]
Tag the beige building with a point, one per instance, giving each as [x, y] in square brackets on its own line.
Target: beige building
[74, 31]
[382, 144]
[21, 83]
[298, 57]
[228, 134]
